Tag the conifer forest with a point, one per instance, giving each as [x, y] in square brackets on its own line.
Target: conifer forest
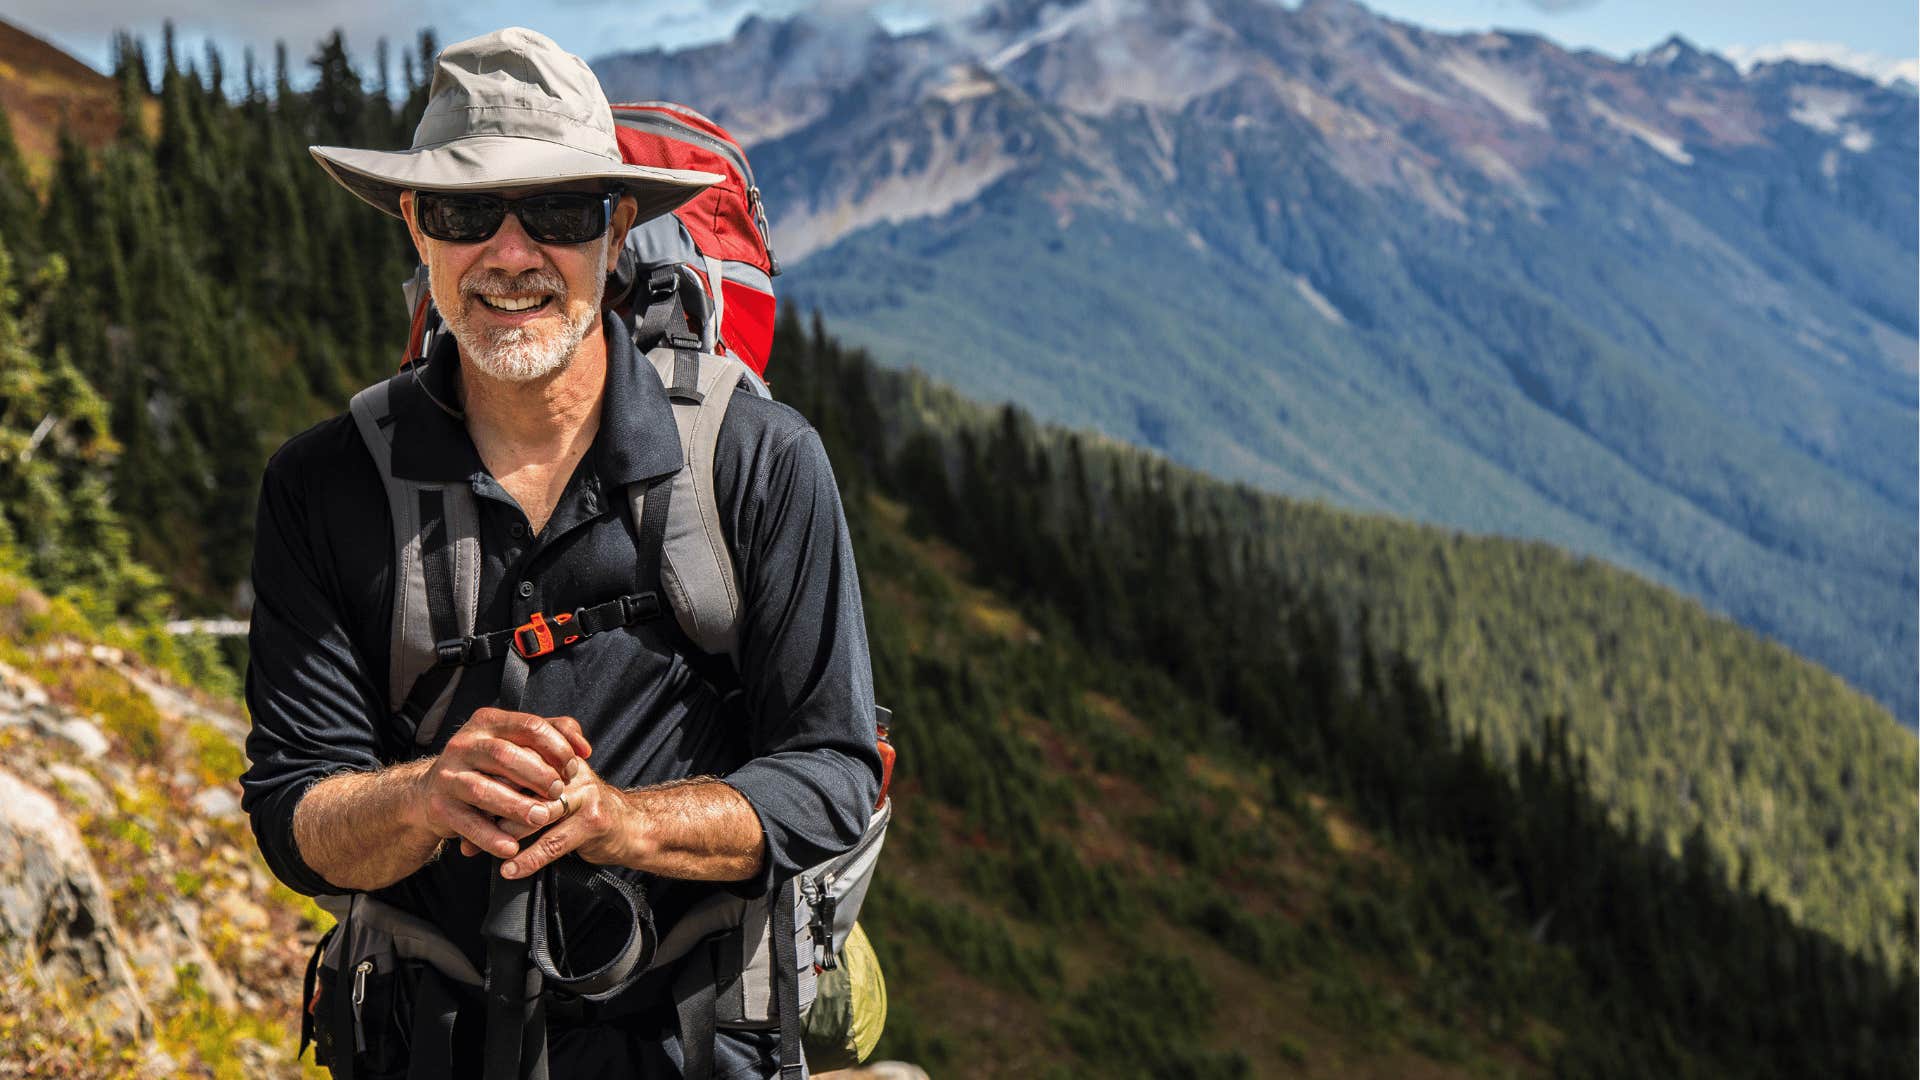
[1169, 747]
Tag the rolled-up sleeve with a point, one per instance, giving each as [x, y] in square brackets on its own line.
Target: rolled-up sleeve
[315, 711]
[815, 772]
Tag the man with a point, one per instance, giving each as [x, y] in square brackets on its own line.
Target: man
[517, 201]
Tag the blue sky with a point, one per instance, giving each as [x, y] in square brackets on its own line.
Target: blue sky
[1873, 31]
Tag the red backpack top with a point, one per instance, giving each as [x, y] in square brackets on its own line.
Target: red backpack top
[720, 236]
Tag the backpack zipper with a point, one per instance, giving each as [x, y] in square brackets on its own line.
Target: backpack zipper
[658, 117]
[359, 997]
[646, 117]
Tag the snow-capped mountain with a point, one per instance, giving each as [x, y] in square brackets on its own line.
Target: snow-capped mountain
[1660, 310]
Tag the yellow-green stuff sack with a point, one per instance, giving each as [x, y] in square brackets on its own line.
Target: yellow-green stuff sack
[849, 1008]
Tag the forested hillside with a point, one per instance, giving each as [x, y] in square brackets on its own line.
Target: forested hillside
[1195, 781]
[1658, 309]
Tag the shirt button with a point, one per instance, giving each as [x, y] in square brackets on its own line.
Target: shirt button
[518, 530]
[526, 589]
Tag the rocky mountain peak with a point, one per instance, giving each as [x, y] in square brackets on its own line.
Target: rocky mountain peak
[1678, 56]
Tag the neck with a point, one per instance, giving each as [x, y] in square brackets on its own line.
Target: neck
[542, 418]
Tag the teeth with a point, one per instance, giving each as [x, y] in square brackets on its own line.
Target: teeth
[513, 303]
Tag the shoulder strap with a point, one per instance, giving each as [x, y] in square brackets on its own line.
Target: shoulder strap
[696, 568]
[436, 571]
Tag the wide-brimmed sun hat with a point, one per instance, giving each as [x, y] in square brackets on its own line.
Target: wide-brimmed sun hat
[509, 109]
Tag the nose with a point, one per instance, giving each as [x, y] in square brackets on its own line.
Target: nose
[511, 249]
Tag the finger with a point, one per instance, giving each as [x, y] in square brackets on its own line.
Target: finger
[575, 735]
[478, 830]
[550, 845]
[519, 830]
[548, 812]
[514, 762]
[537, 733]
[485, 793]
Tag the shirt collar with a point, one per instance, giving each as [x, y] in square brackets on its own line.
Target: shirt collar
[638, 439]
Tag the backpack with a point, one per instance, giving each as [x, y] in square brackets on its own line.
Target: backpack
[704, 320]
[719, 242]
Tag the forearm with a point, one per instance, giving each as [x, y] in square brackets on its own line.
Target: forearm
[699, 830]
[361, 830]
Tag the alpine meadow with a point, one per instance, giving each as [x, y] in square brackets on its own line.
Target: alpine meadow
[1196, 778]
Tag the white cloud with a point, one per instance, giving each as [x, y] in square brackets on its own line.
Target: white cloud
[1875, 66]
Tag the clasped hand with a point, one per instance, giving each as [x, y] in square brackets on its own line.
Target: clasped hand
[505, 776]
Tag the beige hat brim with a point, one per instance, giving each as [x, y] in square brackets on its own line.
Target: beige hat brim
[490, 162]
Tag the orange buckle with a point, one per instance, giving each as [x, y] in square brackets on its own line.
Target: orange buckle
[535, 637]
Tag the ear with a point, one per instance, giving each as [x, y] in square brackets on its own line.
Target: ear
[624, 212]
[413, 227]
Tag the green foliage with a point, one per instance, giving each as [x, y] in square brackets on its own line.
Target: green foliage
[1526, 896]
[979, 945]
[223, 293]
[1802, 782]
[56, 458]
[1152, 1018]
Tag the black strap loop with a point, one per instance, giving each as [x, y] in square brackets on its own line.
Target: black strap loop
[786, 980]
[696, 999]
[663, 298]
[627, 964]
[686, 377]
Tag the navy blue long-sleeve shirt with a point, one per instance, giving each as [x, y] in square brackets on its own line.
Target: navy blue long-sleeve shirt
[803, 754]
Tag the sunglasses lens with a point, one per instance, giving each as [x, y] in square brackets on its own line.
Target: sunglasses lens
[460, 219]
[564, 218]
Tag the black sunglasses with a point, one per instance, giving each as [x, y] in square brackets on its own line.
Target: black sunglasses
[560, 217]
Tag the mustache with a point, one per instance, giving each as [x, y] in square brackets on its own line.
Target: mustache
[501, 283]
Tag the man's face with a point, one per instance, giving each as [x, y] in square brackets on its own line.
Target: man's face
[519, 308]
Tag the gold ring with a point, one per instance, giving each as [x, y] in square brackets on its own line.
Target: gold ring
[564, 808]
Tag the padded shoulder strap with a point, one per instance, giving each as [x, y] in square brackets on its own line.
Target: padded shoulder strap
[696, 568]
[436, 571]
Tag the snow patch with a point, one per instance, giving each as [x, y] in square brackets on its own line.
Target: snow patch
[1318, 302]
[964, 84]
[1885, 70]
[1408, 86]
[1664, 144]
[1505, 90]
[1822, 108]
[952, 176]
[1057, 24]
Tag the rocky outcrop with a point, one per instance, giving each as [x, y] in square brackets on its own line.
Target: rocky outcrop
[56, 919]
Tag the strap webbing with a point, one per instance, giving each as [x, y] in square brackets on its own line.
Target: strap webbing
[346, 1029]
[511, 989]
[627, 964]
[436, 561]
[696, 1000]
[308, 1022]
[436, 564]
[786, 981]
[651, 529]
[435, 1008]
[663, 299]
[686, 377]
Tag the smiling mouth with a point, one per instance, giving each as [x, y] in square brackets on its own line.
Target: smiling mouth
[516, 305]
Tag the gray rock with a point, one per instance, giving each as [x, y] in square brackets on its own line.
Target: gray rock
[84, 734]
[30, 694]
[81, 786]
[173, 945]
[55, 916]
[218, 802]
[888, 1070]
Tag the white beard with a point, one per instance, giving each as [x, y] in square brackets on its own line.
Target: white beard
[519, 354]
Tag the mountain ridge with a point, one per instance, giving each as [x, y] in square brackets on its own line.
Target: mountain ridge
[1687, 346]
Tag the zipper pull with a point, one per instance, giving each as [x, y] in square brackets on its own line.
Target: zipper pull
[359, 996]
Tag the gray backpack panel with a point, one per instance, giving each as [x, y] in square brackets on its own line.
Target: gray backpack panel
[413, 638]
[696, 569]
